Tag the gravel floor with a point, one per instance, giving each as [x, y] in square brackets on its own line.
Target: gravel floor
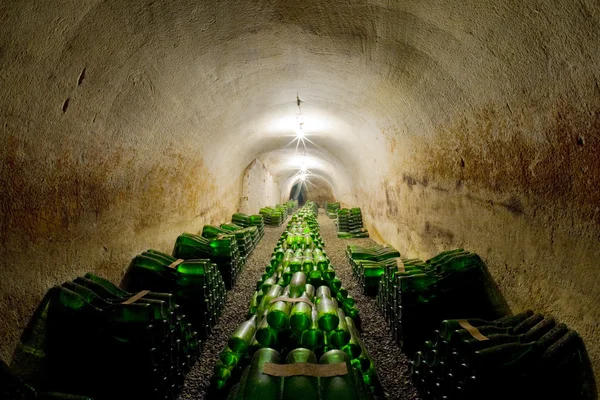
[391, 364]
[238, 300]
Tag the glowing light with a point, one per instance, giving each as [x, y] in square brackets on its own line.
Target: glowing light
[300, 132]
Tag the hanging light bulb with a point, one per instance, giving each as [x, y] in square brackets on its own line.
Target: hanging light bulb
[303, 167]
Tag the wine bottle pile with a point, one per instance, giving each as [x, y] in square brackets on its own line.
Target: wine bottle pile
[369, 263]
[526, 356]
[291, 206]
[350, 224]
[269, 376]
[246, 238]
[313, 208]
[13, 388]
[286, 312]
[196, 283]
[92, 338]
[221, 250]
[274, 216]
[245, 221]
[414, 295]
[331, 209]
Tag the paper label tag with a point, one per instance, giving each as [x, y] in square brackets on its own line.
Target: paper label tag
[290, 300]
[472, 330]
[175, 263]
[305, 369]
[400, 265]
[136, 297]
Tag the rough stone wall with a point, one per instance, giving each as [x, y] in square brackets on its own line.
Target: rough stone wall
[528, 207]
[258, 189]
[320, 192]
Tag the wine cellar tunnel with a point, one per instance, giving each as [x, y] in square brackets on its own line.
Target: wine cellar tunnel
[470, 123]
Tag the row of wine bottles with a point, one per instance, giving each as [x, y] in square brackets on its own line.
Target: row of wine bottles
[245, 220]
[350, 223]
[526, 356]
[517, 357]
[414, 295]
[197, 284]
[331, 210]
[307, 379]
[299, 309]
[138, 340]
[89, 332]
[369, 263]
[277, 215]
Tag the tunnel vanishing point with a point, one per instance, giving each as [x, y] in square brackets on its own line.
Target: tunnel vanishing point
[468, 123]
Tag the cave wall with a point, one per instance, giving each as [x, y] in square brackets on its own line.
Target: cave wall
[319, 191]
[258, 188]
[529, 209]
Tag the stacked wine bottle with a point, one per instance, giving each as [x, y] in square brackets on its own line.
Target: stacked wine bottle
[274, 216]
[197, 284]
[526, 356]
[245, 221]
[246, 238]
[331, 210]
[222, 250]
[89, 332]
[369, 263]
[300, 312]
[415, 295]
[350, 224]
[291, 206]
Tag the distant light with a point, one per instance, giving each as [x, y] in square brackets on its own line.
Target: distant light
[303, 176]
[303, 167]
[300, 131]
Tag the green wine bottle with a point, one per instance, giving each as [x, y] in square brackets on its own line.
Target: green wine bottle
[312, 338]
[242, 336]
[338, 387]
[301, 315]
[255, 385]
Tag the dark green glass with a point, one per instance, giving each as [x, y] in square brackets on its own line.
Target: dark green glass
[242, 336]
[301, 315]
[312, 337]
[108, 285]
[297, 284]
[279, 314]
[338, 387]
[328, 313]
[340, 335]
[265, 335]
[300, 387]
[255, 385]
[352, 348]
[229, 357]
